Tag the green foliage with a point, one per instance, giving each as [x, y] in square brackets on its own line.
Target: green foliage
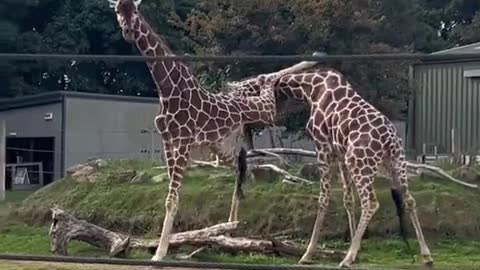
[230, 27]
[138, 208]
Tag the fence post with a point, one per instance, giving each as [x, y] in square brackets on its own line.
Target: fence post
[3, 160]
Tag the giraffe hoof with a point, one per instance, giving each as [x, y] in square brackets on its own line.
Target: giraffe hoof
[157, 258]
[428, 261]
[305, 261]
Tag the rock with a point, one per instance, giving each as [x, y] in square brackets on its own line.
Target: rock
[160, 178]
[126, 176]
[73, 169]
[141, 177]
[85, 174]
[97, 163]
[310, 171]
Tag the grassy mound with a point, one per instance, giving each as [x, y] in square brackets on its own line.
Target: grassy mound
[445, 209]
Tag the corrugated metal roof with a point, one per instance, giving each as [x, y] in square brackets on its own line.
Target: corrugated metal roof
[470, 48]
[57, 96]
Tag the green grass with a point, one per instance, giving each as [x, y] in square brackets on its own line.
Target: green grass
[22, 239]
[448, 213]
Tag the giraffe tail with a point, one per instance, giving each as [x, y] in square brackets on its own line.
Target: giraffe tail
[399, 204]
[241, 172]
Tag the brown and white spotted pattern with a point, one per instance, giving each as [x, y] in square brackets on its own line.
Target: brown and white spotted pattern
[189, 115]
[350, 131]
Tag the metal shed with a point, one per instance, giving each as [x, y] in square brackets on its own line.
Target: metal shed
[61, 129]
[444, 114]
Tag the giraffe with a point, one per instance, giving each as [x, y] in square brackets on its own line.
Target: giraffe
[349, 130]
[189, 116]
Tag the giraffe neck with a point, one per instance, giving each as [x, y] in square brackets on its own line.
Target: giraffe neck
[170, 76]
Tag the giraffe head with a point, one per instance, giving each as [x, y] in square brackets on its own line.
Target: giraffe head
[127, 15]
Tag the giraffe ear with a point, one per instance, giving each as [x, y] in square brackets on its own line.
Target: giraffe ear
[137, 3]
[112, 3]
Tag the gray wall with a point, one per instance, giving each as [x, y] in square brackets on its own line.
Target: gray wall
[445, 99]
[29, 122]
[109, 129]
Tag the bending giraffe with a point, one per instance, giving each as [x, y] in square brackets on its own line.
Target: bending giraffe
[349, 130]
[189, 115]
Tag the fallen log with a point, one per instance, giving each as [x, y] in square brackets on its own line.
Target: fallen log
[65, 228]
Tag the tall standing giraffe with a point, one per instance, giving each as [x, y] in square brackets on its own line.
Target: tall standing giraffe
[189, 115]
[349, 130]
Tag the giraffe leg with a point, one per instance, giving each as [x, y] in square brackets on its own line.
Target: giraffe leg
[240, 167]
[363, 179]
[177, 164]
[323, 201]
[401, 183]
[348, 198]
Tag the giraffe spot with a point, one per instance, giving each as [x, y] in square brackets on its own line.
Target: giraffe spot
[142, 44]
[175, 76]
[369, 152]
[354, 136]
[195, 99]
[182, 116]
[201, 136]
[371, 162]
[221, 122]
[375, 134]
[359, 153]
[173, 129]
[224, 131]
[356, 99]
[223, 114]
[339, 93]
[359, 163]
[214, 111]
[332, 82]
[212, 136]
[236, 118]
[354, 113]
[377, 122]
[184, 104]
[190, 84]
[326, 99]
[350, 93]
[206, 107]
[159, 73]
[317, 80]
[171, 162]
[151, 39]
[211, 125]
[354, 124]
[149, 52]
[365, 128]
[184, 71]
[173, 105]
[143, 28]
[375, 146]
[193, 112]
[343, 104]
[365, 180]
[191, 124]
[202, 118]
[293, 84]
[344, 129]
[382, 129]
[185, 132]
[229, 122]
[366, 171]
[308, 78]
[222, 106]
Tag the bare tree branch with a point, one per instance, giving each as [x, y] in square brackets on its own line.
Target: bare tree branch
[290, 179]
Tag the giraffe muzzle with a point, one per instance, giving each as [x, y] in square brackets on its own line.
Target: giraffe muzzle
[128, 35]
